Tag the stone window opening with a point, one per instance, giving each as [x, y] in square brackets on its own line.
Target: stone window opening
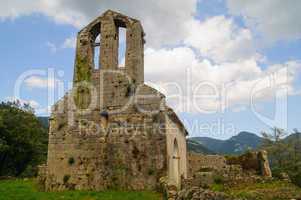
[121, 33]
[121, 47]
[96, 45]
[96, 52]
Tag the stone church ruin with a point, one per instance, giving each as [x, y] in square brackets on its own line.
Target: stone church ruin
[112, 130]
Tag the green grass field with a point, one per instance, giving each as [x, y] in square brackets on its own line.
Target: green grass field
[271, 190]
[27, 190]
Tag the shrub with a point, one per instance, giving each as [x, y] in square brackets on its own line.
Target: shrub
[296, 177]
[277, 172]
[218, 179]
[30, 171]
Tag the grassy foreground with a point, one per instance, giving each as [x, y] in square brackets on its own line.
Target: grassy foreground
[272, 190]
[27, 190]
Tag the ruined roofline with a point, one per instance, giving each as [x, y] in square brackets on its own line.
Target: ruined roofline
[116, 15]
[107, 27]
[173, 116]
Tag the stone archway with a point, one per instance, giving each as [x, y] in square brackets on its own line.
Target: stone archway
[176, 164]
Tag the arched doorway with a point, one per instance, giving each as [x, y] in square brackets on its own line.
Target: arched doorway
[176, 164]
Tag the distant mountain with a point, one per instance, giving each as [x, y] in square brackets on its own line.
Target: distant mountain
[235, 145]
[293, 137]
[196, 147]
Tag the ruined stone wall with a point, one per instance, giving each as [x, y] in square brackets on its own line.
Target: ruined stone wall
[197, 162]
[130, 155]
[256, 161]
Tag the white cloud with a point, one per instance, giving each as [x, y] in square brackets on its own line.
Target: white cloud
[39, 110]
[163, 21]
[220, 39]
[69, 43]
[274, 19]
[52, 47]
[32, 103]
[227, 85]
[39, 82]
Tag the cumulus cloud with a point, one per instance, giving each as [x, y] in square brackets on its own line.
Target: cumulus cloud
[220, 39]
[198, 85]
[32, 103]
[274, 19]
[69, 43]
[163, 21]
[38, 109]
[40, 83]
[52, 47]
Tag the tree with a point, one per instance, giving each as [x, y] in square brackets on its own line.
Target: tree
[23, 140]
[275, 146]
[284, 152]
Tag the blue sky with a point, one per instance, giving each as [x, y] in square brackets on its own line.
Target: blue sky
[222, 41]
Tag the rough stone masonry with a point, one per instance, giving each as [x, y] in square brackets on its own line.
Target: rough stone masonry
[112, 130]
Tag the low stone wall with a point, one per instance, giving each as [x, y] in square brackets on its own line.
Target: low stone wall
[199, 162]
[252, 161]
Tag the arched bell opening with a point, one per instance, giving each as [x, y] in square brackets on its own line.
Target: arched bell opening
[96, 45]
[121, 29]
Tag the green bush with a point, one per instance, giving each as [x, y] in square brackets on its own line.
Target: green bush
[218, 179]
[30, 171]
[276, 171]
[296, 178]
[23, 140]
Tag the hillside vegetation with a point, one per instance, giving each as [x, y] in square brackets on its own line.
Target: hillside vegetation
[284, 151]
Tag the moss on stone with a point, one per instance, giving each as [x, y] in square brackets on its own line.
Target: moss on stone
[83, 72]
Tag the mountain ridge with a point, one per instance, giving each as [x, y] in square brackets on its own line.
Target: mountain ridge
[238, 144]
